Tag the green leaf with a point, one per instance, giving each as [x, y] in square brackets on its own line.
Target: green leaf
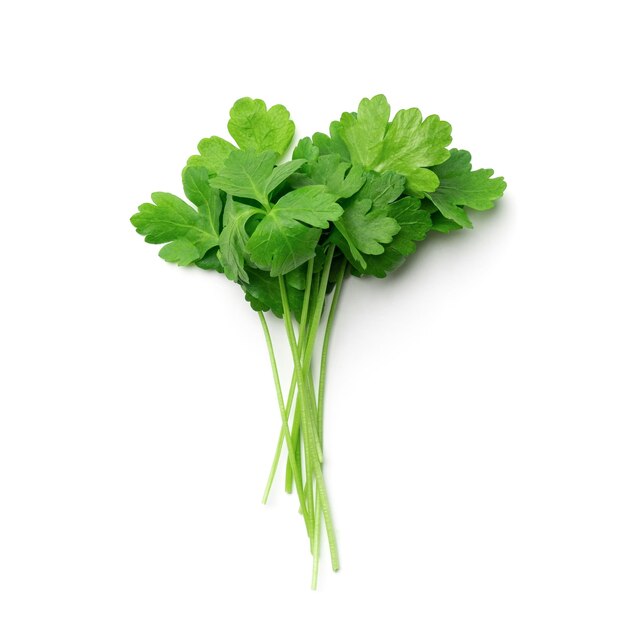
[442, 224]
[381, 189]
[263, 293]
[246, 174]
[255, 127]
[286, 237]
[414, 223]
[366, 224]
[306, 149]
[210, 261]
[411, 144]
[213, 152]
[234, 238]
[199, 191]
[461, 187]
[169, 219]
[330, 170]
[332, 144]
[282, 173]
[364, 229]
[363, 133]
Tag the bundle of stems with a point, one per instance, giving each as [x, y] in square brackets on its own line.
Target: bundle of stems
[304, 432]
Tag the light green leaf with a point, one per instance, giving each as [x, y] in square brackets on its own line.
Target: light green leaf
[246, 174]
[286, 237]
[461, 187]
[234, 238]
[412, 144]
[364, 132]
[255, 127]
[170, 219]
[306, 149]
[213, 152]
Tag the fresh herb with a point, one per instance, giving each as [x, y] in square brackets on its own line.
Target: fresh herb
[354, 202]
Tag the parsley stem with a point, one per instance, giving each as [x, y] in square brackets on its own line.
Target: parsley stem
[307, 414]
[321, 390]
[320, 414]
[302, 337]
[284, 417]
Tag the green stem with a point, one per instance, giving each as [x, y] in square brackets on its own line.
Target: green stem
[308, 415]
[323, 361]
[285, 425]
[292, 387]
[320, 415]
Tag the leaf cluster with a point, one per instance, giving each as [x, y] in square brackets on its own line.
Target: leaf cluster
[369, 190]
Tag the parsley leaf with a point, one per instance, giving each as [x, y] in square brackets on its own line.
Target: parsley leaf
[287, 236]
[246, 174]
[364, 132]
[366, 224]
[461, 187]
[199, 191]
[190, 233]
[414, 223]
[262, 291]
[407, 145]
[329, 170]
[412, 143]
[234, 238]
[249, 174]
[255, 127]
[213, 153]
[333, 143]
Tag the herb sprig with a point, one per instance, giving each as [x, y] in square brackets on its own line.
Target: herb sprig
[353, 202]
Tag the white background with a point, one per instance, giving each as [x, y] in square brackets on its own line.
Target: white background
[476, 414]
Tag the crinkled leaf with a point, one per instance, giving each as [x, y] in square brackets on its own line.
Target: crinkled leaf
[188, 233]
[234, 238]
[414, 223]
[255, 127]
[461, 187]
[363, 133]
[286, 237]
[213, 152]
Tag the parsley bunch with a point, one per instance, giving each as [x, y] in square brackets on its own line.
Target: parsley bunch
[353, 202]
